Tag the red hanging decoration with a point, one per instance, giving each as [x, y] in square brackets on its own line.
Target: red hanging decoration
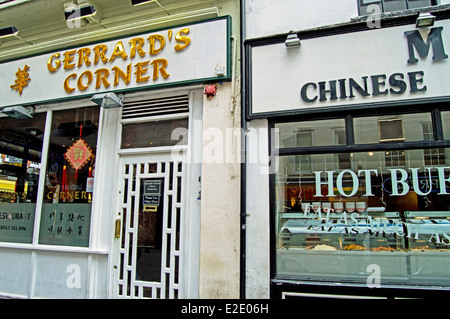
[64, 183]
[78, 154]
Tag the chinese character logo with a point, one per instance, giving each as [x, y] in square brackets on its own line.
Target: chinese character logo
[78, 154]
[22, 79]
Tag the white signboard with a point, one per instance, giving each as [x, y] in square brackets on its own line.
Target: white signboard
[187, 53]
[374, 66]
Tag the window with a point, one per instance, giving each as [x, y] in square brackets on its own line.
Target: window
[304, 138]
[155, 133]
[432, 156]
[395, 158]
[312, 133]
[20, 168]
[66, 183]
[66, 209]
[392, 5]
[365, 200]
[446, 124]
[392, 128]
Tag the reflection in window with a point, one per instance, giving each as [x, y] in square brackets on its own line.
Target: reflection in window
[432, 156]
[446, 124]
[20, 160]
[311, 133]
[304, 138]
[403, 127]
[395, 158]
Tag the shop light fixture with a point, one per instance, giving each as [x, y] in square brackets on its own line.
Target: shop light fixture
[10, 31]
[138, 2]
[19, 112]
[107, 100]
[425, 20]
[72, 13]
[292, 40]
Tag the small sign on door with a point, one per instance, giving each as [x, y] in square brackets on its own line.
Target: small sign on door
[90, 185]
[151, 195]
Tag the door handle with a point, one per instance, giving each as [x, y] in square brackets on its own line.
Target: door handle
[117, 228]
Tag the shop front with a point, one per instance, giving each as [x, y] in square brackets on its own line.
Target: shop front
[358, 179]
[99, 161]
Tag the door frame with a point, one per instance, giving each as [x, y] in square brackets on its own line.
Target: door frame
[168, 169]
[190, 240]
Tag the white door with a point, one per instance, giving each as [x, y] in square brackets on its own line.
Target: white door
[148, 230]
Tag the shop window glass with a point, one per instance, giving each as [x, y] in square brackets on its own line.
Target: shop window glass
[66, 210]
[20, 165]
[389, 210]
[446, 124]
[366, 6]
[420, 3]
[396, 128]
[394, 5]
[311, 133]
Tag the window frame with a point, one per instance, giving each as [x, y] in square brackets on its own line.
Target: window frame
[48, 111]
[436, 142]
[433, 3]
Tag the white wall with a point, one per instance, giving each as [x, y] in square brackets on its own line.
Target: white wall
[220, 198]
[267, 17]
[258, 212]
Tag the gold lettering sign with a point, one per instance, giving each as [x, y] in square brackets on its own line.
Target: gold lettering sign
[109, 74]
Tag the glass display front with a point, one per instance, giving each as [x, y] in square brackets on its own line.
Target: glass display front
[67, 200]
[20, 166]
[349, 216]
[63, 199]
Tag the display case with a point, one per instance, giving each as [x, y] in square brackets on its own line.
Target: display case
[405, 247]
[328, 245]
[428, 239]
[362, 199]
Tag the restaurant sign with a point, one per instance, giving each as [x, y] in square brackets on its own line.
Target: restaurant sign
[376, 66]
[188, 53]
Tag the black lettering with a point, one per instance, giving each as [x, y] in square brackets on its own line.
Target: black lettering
[397, 83]
[415, 40]
[304, 95]
[413, 80]
[357, 87]
[323, 91]
[342, 89]
[376, 83]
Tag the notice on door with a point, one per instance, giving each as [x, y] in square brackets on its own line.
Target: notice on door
[151, 195]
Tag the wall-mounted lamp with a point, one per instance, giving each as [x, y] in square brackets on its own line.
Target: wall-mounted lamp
[138, 2]
[74, 12]
[19, 112]
[10, 31]
[220, 69]
[107, 100]
[292, 40]
[425, 20]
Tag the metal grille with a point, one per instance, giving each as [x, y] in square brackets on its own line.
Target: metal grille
[150, 250]
[156, 133]
[157, 106]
